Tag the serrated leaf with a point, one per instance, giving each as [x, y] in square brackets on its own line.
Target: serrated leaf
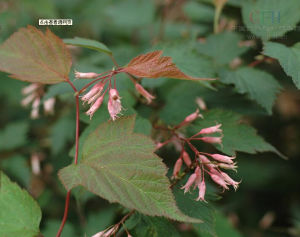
[88, 43]
[237, 136]
[222, 47]
[20, 215]
[33, 56]
[120, 166]
[270, 18]
[260, 86]
[289, 58]
[154, 65]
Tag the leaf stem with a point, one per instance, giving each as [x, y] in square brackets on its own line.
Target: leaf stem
[67, 203]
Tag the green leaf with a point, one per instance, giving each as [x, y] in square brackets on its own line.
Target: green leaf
[120, 166]
[196, 209]
[19, 163]
[185, 57]
[222, 227]
[30, 55]
[62, 132]
[13, 135]
[289, 58]
[153, 227]
[90, 44]
[20, 215]
[270, 18]
[100, 220]
[222, 47]
[130, 14]
[237, 136]
[52, 226]
[260, 86]
[199, 12]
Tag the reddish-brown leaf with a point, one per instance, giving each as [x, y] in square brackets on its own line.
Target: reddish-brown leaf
[33, 56]
[154, 65]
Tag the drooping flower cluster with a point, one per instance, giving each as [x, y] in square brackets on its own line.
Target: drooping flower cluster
[33, 94]
[204, 163]
[95, 96]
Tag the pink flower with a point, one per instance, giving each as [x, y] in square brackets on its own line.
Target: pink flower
[28, 99]
[210, 130]
[177, 167]
[186, 158]
[230, 181]
[201, 103]
[228, 166]
[144, 93]
[114, 104]
[190, 118]
[31, 88]
[49, 105]
[222, 158]
[93, 94]
[202, 190]
[35, 108]
[217, 140]
[95, 106]
[189, 183]
[218, 178]
[85, 75]
[205, 161]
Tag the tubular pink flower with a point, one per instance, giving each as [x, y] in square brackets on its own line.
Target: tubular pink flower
[230, 181]
[201, 103]
[29, 89]
[95, 106]
[28, 99]
[218, 180]
[35, 108]
[202, 190]
[198, 176]
[186, 158]
[205, 161]
[210, 130]
[190, 118]
[189, 183]
[49, 105]
[144, 93]
[114, 104]
[217, 140]
[96, 90]
[85, 75]
[222, 158]
[177, 167]
[228, 166]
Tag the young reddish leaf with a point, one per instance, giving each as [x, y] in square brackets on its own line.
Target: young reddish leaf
[154, 65]
[33, 56]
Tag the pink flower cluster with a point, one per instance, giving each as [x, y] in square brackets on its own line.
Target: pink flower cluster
[33, 94]
[204, 163]
[95, 96]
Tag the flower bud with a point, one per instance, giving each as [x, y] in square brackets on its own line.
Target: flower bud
[144, 93]
[217, 140]
[177, 167]
[85, 75]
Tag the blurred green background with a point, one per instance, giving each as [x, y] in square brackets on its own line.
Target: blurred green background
[268, 200]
